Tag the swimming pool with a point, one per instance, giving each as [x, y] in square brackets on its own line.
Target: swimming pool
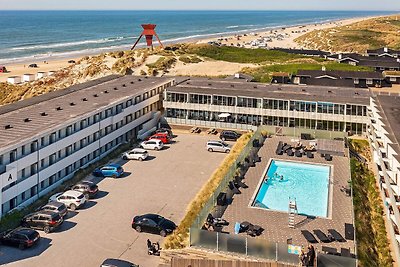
[307, 183]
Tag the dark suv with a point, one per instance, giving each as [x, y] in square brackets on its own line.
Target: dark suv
[88, 188]
[44, 220]
[229, 135]
[55, 207]
[20, 237]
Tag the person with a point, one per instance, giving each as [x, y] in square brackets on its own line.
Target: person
[149, 244]
[266, 179]
[281, 179]
[311, 255]
[303, 258]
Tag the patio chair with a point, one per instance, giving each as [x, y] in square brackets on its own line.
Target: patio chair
[209, 131]
[309, 236]
[254, 230]
[216, 222]
[338, 237]
[239, 183]
[329, 250]
[233, 188]
[310, 155]
[290, 153]
[349, 231]
[321, 236]
[298, 153]
[328, 157]
[286, 147]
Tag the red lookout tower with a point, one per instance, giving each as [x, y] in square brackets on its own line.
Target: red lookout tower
[148, 32]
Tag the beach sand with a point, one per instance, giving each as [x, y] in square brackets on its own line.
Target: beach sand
[212, 68]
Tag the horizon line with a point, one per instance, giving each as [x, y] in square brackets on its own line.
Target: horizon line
[300, 10]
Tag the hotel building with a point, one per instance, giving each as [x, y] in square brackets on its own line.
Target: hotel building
[384, 137]
[45, 139]
[243, 105]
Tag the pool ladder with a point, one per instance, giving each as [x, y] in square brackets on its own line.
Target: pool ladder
[292, 211]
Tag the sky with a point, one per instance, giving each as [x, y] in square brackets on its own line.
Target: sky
[377, 5]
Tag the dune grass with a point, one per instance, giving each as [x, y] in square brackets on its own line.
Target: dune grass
[180, 237]
[372, 242]
[242, 55]
[264, 73]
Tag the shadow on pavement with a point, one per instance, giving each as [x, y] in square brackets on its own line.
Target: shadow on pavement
[13, 254]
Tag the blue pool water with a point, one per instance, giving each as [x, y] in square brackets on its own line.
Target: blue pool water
[307, 183]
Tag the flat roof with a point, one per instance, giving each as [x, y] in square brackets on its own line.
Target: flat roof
[391, 116]
[282, 91]
[26, 119]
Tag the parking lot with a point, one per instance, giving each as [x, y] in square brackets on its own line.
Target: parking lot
[164, 184]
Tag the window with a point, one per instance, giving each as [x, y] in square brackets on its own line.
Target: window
[369, 81]
[1, 159]
[23, 195]
[23, 150]
[34, 146]
[52, 138]
[13, 155]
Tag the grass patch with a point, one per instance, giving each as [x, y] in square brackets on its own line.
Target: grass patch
[162, 64]
[264, 73]
[242, 55]
[190, 59]
[180, 237]
[372, 242]
[363, 37]
[13, 219]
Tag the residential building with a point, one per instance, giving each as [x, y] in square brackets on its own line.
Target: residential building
[227, 104]
[46, 139]
[383, 52]
[384, 136]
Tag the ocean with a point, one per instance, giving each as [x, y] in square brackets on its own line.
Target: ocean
[38, 35]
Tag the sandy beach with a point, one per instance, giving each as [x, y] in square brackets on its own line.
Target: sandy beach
[280, 37]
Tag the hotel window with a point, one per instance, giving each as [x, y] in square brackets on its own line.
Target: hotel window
[34, 168]
[52, 159]
[393, 79]
[369, 81]
[96, 118]
[1, 159]
[23, 150]
[128, 103]
[83, 124]
[13, 155]
[120, 107]
[69, 130]
[52, 138]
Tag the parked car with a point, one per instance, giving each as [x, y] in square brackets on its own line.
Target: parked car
[88, 188]
[20, 237]
[117, 263]
[152, 144]
[136, 153]
[71, 61]
[160, 136]
[47, 221]
[153, 223]
[111, 170]
[229, 135]
[218, 146]
[165, 131]
[33, 65]
[55, 206]
[71, 198]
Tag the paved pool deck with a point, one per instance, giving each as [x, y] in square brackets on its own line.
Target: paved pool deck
[275, 223]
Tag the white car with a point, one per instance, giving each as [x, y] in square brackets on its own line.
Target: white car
[153, 144]
[219, 146]
[71, 198]
[136, 153]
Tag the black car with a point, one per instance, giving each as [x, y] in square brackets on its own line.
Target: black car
[229, 135]
[34, 65]
[88, 188]
[117, 263]
[153, 223]
[55, 206]
[71, 61]
[20, 237]
[47, 221]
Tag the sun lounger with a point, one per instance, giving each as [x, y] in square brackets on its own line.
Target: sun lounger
[310, 155]
[329, 250]
[217, 222]
[338, 237]
[279, 150]
[254, 230]
[349, 231]
[321, 236]
[298, 153]
[290, 152]
[328, 157]
[345, 252]
[309, 236]
[286, 147]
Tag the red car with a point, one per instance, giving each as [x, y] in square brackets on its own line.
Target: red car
[160, 136]
[3, 69]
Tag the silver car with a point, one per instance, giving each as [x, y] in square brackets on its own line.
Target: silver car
[218, 146]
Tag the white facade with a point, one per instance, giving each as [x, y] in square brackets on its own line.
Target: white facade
[28, 77]
[14, 79]
[34, 167]
[386, 159]
[41, 74]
